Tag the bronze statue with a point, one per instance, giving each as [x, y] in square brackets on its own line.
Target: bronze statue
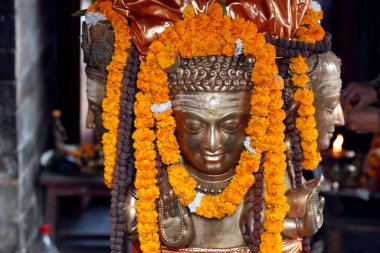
[210, 98]
[211, 121]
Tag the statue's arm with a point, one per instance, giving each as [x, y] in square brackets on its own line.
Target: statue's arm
[305, 216]
[130, 215]
[176, 226]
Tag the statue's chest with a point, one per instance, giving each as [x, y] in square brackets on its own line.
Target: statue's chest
[215, 233]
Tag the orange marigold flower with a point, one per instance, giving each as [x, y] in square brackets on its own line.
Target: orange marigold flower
[189, 12]
[215, 11]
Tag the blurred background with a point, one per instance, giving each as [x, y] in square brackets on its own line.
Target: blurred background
[43, 107]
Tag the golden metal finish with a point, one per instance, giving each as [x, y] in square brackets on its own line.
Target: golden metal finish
[211, 130]
[288, 246]
[292, 246]
[212, 74]
[175, 224]
[306, 208]
[130, 215]
[324, 73]
[209, 250]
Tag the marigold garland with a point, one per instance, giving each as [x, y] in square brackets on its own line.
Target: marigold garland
[205, 34]
[310, 30]
[111, 101]
[305, 121]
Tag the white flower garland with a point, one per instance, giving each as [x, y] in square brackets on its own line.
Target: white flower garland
[196, 202]
[160, 108]
[92, 18]
[247, 145]
[315, 6]
[239, 47]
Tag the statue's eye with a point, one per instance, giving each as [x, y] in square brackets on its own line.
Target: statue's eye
[329, 111]
[231, 127]
[194, 127]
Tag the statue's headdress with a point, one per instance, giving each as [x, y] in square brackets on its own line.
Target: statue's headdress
[212, 74]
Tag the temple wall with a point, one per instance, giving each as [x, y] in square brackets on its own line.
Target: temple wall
[23, 119]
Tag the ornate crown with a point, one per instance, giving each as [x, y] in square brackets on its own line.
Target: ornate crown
[212, 74]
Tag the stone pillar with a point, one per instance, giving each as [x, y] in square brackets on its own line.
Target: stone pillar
[9, 220]
[23, 121]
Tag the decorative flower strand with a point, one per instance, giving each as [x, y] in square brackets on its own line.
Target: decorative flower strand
[309, 31]
[111, 101]
[274, 171]
[305, 121]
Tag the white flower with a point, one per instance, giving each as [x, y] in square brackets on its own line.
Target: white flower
[92, 18]
[160, 108]
[315, 6]
[239, 47]
[196, 202]
[247, 145]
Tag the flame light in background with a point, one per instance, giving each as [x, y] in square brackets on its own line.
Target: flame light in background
[337, 145]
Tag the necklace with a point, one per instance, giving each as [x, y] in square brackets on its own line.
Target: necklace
[210, 184]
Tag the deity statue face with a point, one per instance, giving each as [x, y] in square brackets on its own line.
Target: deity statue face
[328, 113]
[326, 84]
[211, 129]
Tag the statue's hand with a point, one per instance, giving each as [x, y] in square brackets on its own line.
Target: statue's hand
[313, 218]
[176, 226]
[130, 215]
[306, 209]
[246, 222]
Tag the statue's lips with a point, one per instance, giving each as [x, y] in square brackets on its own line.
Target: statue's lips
[213, 157]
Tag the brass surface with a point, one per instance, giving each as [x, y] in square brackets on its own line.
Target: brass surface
[288, 246]
[212, 74]
[130, 214]
[292, 246]
[97, 44]
[211, 129]
[208, 250]
[277, 18]
[176, 228]
[306, 206]
[325, 81]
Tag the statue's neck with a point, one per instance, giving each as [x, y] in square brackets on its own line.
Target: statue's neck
[211, 184]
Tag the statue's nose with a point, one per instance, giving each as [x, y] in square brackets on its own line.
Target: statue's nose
[338, 116]
[212, 140]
